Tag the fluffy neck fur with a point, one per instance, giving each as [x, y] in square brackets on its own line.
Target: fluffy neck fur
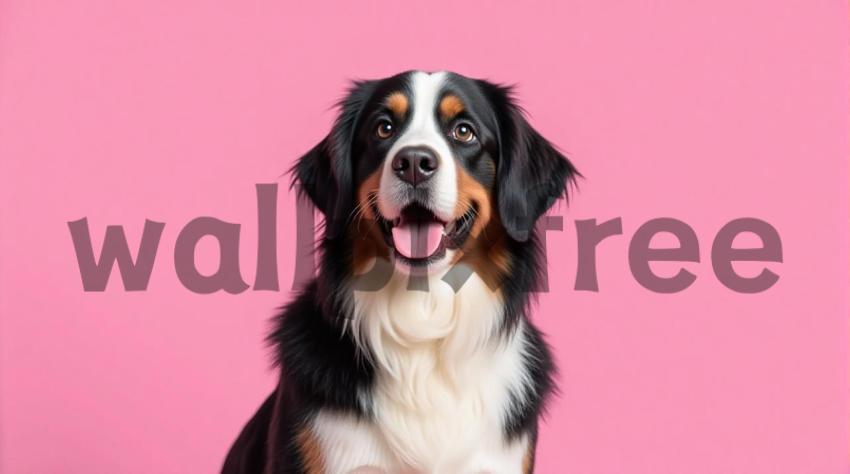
[442, 366]
[449, 324]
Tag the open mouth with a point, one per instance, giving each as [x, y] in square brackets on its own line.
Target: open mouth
[419, 237]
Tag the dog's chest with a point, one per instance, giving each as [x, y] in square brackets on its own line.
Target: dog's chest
[446, 378]
[426, 421]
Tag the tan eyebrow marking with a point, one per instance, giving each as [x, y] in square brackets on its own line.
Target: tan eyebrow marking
[398, 104]
[450, 107]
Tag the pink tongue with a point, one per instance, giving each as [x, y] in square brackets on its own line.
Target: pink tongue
[417, 240]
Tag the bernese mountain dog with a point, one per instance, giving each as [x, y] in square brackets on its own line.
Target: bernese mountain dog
[411, 351]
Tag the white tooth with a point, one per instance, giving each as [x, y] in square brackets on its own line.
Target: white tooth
[449, 228]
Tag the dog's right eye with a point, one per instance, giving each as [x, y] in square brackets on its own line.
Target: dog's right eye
[384, 129]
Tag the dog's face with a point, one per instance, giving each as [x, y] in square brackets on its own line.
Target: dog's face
[426, 154]
[427, 169]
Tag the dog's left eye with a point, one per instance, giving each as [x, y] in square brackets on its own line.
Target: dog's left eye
[463, 132]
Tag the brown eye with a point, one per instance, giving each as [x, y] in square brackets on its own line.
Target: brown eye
[463, 132]
[384, 129]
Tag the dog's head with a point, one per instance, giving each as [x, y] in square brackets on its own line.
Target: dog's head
[427, 169]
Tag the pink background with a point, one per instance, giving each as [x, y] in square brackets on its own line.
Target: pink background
[701, 110]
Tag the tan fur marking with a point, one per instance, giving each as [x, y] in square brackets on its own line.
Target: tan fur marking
[469, 192]
[450, 107]
[528, 460]
[310, 451]
[398, 104]
[485, 250]
[364, 232]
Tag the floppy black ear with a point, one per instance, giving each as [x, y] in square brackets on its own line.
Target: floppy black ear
[325, 173]
[531, 173]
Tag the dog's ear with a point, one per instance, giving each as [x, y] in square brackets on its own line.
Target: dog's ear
[325, 173]
[531, 173]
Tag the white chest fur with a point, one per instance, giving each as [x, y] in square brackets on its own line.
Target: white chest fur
[445, 376]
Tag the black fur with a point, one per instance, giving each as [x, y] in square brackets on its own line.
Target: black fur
[319, 364]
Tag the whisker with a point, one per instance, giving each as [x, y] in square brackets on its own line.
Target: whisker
[360, 209]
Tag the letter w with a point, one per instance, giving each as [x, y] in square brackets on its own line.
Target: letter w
[95, 275]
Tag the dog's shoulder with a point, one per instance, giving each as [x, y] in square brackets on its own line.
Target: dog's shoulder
[319, 361]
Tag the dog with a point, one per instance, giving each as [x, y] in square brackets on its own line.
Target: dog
[411, 351]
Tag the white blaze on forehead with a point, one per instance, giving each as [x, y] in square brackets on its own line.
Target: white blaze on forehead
[422, 130]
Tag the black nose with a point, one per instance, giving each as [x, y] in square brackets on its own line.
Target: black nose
[414, 164]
